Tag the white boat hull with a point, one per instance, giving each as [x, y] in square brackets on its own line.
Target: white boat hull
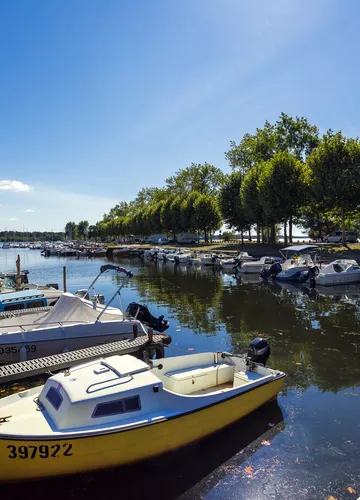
[248, 268]
[49, 341]
[329, 279]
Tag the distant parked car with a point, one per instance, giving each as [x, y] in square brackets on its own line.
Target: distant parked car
[188, 238]
[336, 237]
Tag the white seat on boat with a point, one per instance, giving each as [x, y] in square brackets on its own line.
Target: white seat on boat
[245, 377]
[188, 380]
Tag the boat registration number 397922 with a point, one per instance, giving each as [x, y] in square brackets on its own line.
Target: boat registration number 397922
[42, 451]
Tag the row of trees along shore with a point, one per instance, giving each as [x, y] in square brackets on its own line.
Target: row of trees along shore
[284, 173]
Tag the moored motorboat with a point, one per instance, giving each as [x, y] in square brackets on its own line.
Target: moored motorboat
[195, 260]
[244, 257]
[339, 272]
[151, 253]
[73, 323]
[98, 252]
[22, 300]
[298, 259]
[184, 258]
[257, 266]
[120, 410]
[208, 259]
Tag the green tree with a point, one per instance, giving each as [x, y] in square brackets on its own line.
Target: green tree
[92, 232]
[166, 214]
[70, 230]
[206, 179]
[335, 175]
[83, 228]
[296, 136]
[249, 195]
[253, 148]
[155, 216]
[232, 209]
[176, 220]
[188, 221]
[148, 196]
[207, 214]
[282, 188]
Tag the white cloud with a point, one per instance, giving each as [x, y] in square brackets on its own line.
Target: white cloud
[15, 186]
[56, 207]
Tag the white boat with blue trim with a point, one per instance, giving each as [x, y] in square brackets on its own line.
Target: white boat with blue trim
[298, 259]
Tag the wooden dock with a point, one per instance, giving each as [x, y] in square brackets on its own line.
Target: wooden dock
[25, 369]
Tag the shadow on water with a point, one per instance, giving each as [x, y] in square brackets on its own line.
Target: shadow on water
[171, 475]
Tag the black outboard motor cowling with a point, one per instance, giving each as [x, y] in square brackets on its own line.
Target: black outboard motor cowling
[259, 351]
[273, 271]
[142, 313]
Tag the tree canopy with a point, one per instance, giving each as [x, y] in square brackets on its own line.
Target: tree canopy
[281, 173]
[335, 175]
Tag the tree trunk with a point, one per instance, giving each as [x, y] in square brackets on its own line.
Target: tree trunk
[320, 232]
[343, 226]
[250, 233]
[205, 236]
[262, 234]
[285, 234]
[267, 235]
[257, 233]
[273, 233]
[242, 237]
[290, 230]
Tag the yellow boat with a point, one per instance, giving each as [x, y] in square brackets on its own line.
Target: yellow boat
[120, 410]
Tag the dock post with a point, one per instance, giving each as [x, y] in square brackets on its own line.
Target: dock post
[64, 278]
[150, 334]
[135, 331]
[18, 272]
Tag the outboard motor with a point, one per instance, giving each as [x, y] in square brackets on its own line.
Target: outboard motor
[258, 351]
[310, 275]
[142, 313]
[83, 293]
[273, 271]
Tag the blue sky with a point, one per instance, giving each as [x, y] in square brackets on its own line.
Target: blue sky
[101, 98]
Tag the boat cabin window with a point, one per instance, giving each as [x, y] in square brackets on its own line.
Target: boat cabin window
[35, 303]
[54, 397]
[14, 307]
[116, 407]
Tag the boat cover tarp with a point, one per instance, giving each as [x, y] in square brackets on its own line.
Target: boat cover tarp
[299, 248]
[72, 308]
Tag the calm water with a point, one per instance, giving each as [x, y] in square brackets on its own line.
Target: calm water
[307, 445]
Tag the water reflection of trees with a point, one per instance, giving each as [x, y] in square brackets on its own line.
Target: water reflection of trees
[189, 294]
[314, 336]
[314, 341]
